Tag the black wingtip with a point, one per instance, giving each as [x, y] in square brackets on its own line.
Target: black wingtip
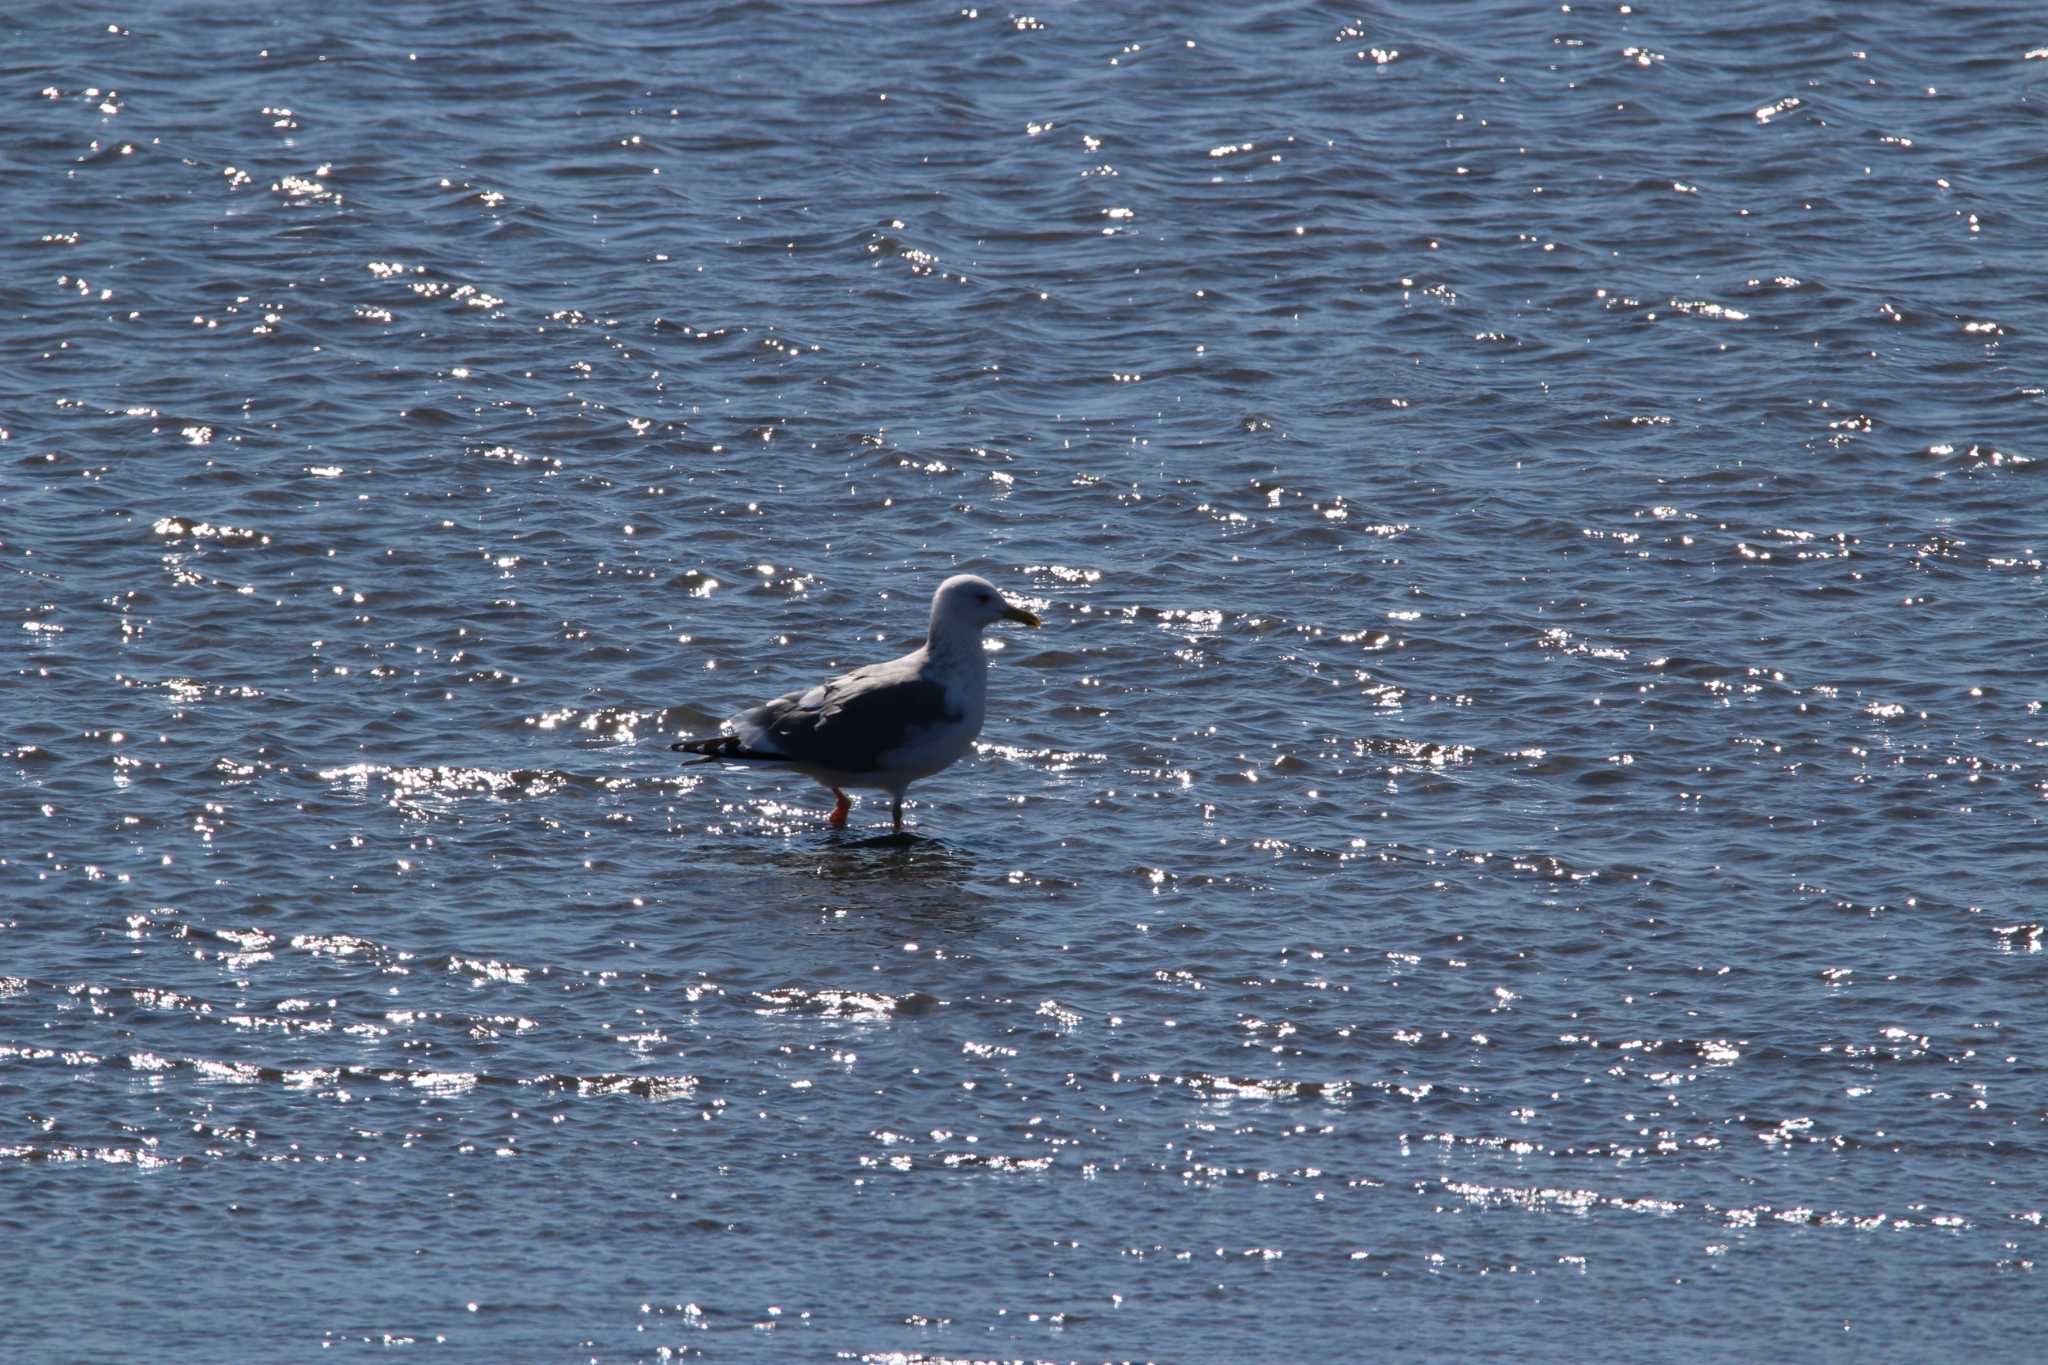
[711, 746]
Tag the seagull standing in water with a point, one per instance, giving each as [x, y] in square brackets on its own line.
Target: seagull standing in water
[885, 725]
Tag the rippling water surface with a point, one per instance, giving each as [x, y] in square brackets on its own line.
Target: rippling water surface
[1522, 834]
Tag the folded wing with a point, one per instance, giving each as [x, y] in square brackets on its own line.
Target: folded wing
[847, 725]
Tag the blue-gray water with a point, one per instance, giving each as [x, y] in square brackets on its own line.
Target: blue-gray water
[1522, 834]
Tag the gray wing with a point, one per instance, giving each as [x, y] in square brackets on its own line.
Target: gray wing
[846, 725]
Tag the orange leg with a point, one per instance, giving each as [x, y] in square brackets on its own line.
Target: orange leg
[837, 819]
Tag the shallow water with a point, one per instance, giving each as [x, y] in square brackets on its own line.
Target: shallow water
[1522, 834]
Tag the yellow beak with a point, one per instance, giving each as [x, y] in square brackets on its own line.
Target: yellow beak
[1021, 616]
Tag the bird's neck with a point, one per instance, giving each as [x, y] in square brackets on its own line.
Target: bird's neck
[956, 650]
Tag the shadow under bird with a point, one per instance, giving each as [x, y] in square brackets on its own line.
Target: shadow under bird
[883, 726]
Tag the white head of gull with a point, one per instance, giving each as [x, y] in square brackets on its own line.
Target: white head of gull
[886, 725]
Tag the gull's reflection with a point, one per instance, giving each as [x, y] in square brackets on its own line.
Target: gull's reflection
[892, 874]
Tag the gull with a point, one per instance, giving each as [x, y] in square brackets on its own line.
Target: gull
[882, 726]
